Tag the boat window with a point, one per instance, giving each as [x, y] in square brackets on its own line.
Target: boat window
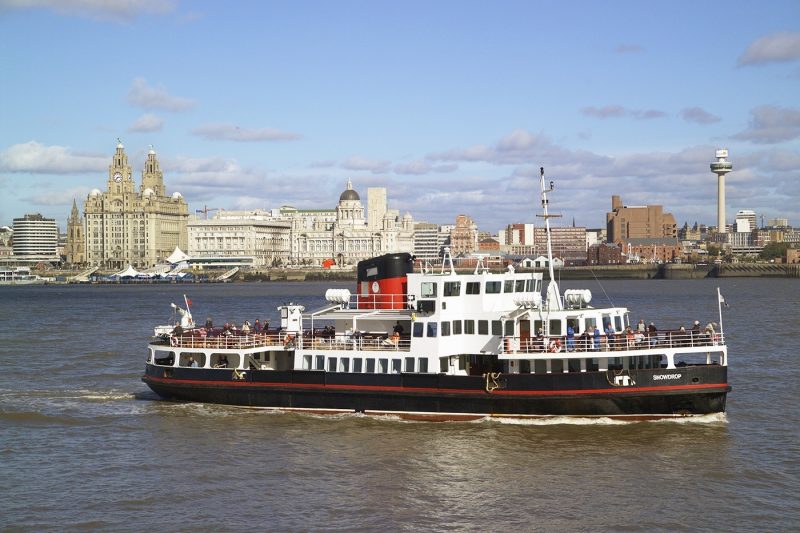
[396, 366]
[426, 306]
[332, 364]
[452, 288]
[493, 287]
[409, 364]
[508, 286]
[462, 362]
[606, 321]
[427, 289]
[469, 327]
[483, 327]
[371, 365]
[509, 328]
[306, 362]
[528, 285]
[537, 327]
[618, 323]
[519, 286]
[320, 362]
[423, 365]
[589, 321]
[357, 365]
[573, 321]
[383, 366]
[432, 329]
[473, 287]
[418, 328]
[344, 364]
[445, 329]
[443, 364]
[456, 327]
[497, 327]
[365, 288]
[524, 366]
[555, 327]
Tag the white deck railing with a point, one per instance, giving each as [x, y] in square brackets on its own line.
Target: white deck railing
[317, 339]
[619, 342]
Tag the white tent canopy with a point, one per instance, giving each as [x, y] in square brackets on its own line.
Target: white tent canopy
[177, 256]
[129, 272]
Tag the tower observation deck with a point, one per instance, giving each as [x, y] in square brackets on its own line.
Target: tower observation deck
[721, 167]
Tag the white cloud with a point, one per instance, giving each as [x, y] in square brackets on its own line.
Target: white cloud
[771, 124]
[142, 95]
[58, 197]
[376, 166]
[420, 167]
[775, 48]
[116, 10]
[698, 115]
[147, 123]
[35, 157]
[617, 111]
[230, 132]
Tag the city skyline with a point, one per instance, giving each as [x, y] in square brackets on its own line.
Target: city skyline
[450, 106]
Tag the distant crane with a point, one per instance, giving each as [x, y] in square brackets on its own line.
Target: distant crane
[206, 210]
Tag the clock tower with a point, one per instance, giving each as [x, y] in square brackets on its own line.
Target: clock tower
[120, 176]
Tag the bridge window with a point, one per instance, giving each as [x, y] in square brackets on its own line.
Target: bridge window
[469, 327]
[493, 287]
[519, 286]
[483, 327]
[457, 327]
[508, 286]
[555, 327]
[418, 328]
[452, 288]
[427, 289]
[473, 287]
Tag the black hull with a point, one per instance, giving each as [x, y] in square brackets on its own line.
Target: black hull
[695, 390]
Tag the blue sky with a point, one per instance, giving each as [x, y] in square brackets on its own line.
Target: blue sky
[451, 105]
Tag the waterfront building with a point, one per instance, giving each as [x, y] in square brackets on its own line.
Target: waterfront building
[652, 250]
[750, 216]
[125, 227]
[463, 236]
[427, 245]
[292, 236]
[75, 247]
[625, 222]
[35, 239]
[604, 254]
[569, 243]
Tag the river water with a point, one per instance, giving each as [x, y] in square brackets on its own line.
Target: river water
[84, 445]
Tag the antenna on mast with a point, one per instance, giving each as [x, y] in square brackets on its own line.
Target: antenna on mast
[553, 294]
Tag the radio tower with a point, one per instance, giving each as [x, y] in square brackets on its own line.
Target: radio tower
[721, 167]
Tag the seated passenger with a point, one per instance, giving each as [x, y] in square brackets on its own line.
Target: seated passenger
[223, 362]
[191, 362]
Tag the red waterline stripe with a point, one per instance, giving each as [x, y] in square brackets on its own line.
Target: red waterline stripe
[377, 388]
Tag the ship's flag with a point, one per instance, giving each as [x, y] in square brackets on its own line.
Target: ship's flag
[189, 302]
[722, 299]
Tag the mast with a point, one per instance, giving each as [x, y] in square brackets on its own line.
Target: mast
[553, 294]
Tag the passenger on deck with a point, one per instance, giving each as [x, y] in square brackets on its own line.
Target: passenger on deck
[246, 327]
[395, 338]
[610, 337]
[177, 331]
[652, 333]
[209, 324]
[398, 328]
[257, 326]
[596, 336]
[570, 338]
[629, 337]
[191, 362]
[640, 327]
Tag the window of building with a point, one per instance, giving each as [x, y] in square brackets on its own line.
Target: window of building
[469, 327]
[493, 287]
[452, 288]
[473, 287]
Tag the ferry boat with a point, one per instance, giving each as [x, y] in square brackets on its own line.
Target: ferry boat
[21, 276]
[421, 344]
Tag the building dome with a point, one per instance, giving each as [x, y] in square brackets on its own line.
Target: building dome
[149, 192]
[349, 193]
[95, 192]
[176, 195]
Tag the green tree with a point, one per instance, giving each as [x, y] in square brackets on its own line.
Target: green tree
[773, 250]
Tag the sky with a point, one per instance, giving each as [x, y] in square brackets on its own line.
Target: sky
[451, 105]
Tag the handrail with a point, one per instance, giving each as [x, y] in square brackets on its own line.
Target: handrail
[618, 342]
[317, 339]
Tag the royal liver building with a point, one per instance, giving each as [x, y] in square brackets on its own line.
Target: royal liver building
[123, 226]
